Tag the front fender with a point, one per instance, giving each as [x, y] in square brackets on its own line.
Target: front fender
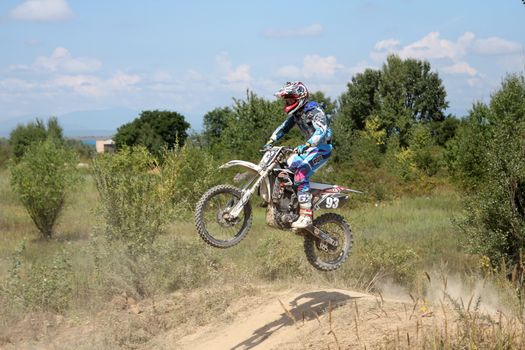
[242, 163]
[265, 187]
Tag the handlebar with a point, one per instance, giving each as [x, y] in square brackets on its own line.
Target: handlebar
[284, 148]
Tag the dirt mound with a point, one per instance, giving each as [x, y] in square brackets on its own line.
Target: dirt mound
[324, 318]
[249, 318]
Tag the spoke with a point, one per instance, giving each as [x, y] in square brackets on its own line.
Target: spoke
[217, 225]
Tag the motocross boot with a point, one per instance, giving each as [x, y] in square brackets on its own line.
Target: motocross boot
[305, 211]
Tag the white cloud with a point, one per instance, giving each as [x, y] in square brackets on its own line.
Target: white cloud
[496, 46]
[313, 66]
[239, 74]
[94, 86]
[460, 68]
[386, 44]
[62, 60]
[432, 46]
[42, 10]
[308, 31]
[448, 54]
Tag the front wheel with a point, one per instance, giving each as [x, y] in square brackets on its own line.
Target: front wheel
[318, 253]
[212, 219]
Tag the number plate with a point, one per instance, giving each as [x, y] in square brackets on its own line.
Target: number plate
[332, 201]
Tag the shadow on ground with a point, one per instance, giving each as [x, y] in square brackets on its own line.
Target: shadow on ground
[305, 307]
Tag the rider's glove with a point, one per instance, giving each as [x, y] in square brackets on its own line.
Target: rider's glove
[302, 148]
[268, 145]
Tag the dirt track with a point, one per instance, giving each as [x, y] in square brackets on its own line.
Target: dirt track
[319, 318]
[299, 318]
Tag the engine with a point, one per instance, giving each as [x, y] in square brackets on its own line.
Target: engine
[283, 207]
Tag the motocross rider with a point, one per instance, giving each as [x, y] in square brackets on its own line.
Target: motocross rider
[313, 123]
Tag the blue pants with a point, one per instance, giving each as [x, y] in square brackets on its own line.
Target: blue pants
[304, 165]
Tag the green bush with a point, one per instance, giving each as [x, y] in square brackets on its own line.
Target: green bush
[136, 196]
[41, 179]
[494, 222]
[194, 171]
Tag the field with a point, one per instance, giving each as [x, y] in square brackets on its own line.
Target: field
[407, 284]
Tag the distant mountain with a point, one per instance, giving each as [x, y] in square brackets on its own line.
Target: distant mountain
[82, 123]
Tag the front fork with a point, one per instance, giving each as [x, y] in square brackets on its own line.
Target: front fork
[249, 191]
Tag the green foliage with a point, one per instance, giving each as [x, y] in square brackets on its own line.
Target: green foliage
[428, 157]
[25, 135]
[249, 127]
[495, 216]
[41, 179]
[361, 98]
[215, 123]
[241, 131]
[194, 171]
[466, 153]
[136, 196]
[402, 93]
[154, 130]
[5, 152]
[445, 130]
[390, 128]
[40, 286]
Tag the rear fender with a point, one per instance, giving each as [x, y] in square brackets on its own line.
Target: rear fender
[265, 185]
[332, 188]
[330, 201]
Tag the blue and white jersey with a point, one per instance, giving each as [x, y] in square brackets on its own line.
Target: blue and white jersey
[312, 122]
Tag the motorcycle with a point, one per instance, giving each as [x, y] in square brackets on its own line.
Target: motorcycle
[223, 215]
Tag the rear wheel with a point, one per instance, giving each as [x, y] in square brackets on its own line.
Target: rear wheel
[214, 224]
[323, 256]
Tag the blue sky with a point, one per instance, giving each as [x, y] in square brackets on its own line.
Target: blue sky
[73, 57]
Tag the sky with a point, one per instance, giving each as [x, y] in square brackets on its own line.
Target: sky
[102, 62]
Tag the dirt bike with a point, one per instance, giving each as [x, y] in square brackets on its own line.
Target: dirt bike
[223, 215]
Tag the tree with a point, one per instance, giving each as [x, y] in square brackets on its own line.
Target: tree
[241, 131]
[154, 130]
[25, 135]
[41, 179]
[402, 93]
[361, 98]
[495, 215]
[215, 122]
[466, 153]
[250, 125]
